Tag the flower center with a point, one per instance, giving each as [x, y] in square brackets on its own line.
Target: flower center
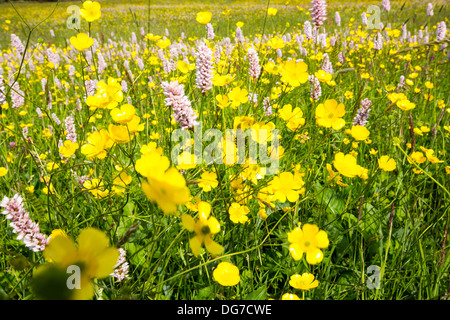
[205, 230]
[331, 115]
[307, 243]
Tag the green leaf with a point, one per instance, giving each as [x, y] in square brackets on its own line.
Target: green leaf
[19, 262]
[258, 294]
[205, 293]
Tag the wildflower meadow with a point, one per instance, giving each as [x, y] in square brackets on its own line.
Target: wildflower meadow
[231, 150]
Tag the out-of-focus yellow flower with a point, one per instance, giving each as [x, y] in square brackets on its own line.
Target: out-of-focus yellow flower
[272, 11]
[238, 96]
[91, 11]
[168, 190]
[163, 43]
[82, 41]
[226, 12]
[360, 133]
[204, 17]
[417, 157]
[348, 95]
[96, 187]
[98, 142]
[3, 171]
[93, 258]
[387, 164]
[124, 114]
[323, 76]
[346, 165]
[68, 148]
[205, 227]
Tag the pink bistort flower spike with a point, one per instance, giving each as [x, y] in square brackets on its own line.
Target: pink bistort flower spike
[204, 67]
[318, 12]
[180, 104]
[27, 231]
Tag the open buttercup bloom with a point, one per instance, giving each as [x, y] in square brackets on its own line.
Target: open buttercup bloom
[329, 114]
[304, 281]
[307, 240]
[91, 11]
[81, 41]
[346, 165]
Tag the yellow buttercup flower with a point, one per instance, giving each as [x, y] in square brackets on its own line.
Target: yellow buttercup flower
[91, 11]
[238, 213]
[294, 118]
[96, 187]
[204, 17]
[272, 11]
[222, 101]
[294, 73]
[93, 258]
[307, 240]
[205, 227]
[120, 183]
[57, 232]
[3, 171]
[208, 181]
[290, 296]
[168, 190]
[163, 43]
[124, 114]
[303, 282]
[387, 164]
[152, 164]
[360, 133]
[417, 156]
[98, 142]
[68, 148]
[346, 165]
[151, 146]
[329, 114]
[323, 76]
[108, 95]
[119, 134]
[226, 274]
[82, 41]
[237, 96]
[186, 161]
[135, 125]
[286, 186]
[405, 105]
